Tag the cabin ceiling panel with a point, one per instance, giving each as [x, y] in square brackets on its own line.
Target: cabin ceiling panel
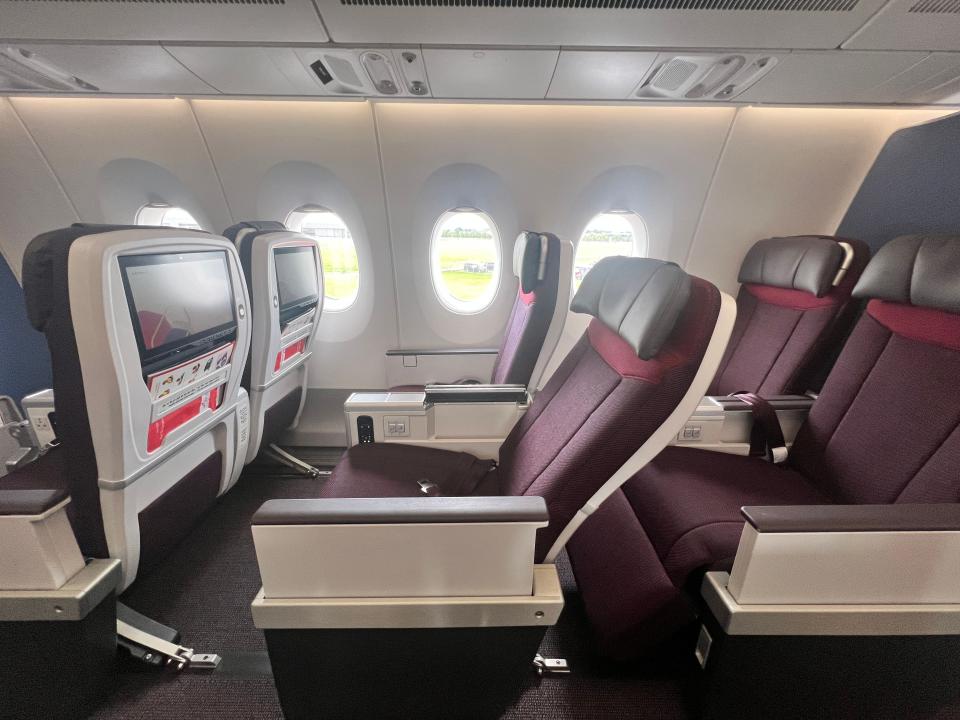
[638, 23]
[261, 149]
[911, 25]
[787, 171]
[31, 201]
[80, 137]
[931, 81]
[490, 73]
[146, 69]
[829, 77]
[546, 157]
[247, 70]
[599, 75]
[153, 20]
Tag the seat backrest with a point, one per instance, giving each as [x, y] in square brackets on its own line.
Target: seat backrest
[147, 394]
[651, 326]
[886, 426]
[284, 276]
[536, 263]
[794, 303]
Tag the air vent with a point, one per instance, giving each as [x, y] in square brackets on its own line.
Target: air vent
[743, 5]
[156, 2]
[947, 7]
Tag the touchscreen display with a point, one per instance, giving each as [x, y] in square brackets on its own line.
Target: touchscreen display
[296, 276]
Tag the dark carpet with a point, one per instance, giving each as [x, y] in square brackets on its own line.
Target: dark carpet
[205, 588]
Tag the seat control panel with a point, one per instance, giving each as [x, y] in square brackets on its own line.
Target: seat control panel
[365, 429]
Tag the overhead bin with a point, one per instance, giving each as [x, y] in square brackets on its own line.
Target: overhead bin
[605, 23]
[153, 20]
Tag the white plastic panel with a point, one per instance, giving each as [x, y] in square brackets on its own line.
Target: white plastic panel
[247, 70]
[242, 21]
[897, 28]
[31, 199]
[928, 80]
[123, 68]
[593, 27]
[828, 77]
[599, 75]
[490, 73]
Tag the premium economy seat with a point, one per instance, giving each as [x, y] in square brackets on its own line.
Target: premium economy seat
[150, 412]
[536, 264]
[285, 279]
[883, 430]
[629, 383]
[793, 303]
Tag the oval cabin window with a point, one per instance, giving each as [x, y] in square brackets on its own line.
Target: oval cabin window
[167, 216]
[465, 260]
[609, 233]
[341, 266]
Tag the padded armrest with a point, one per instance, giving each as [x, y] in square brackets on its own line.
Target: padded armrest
[445, 351]
[402, 511]
[777, 402]
[854, 518]
[475, 393]
[30, 502]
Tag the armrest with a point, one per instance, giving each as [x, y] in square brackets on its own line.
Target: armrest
[31, 502]
[848, 554]
[475, 393]
[929, 517]
[398, 547]
[777, 402]
[445, 351]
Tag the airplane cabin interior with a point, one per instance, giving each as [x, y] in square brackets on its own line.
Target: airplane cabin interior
[480, 359]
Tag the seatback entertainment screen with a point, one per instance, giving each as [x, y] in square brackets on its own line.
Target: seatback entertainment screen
[181, 304]
[296, 280]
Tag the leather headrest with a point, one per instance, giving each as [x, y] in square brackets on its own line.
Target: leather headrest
[529, 259]
[260, 225]
[640, 299]
[919, 270]
[803, 262]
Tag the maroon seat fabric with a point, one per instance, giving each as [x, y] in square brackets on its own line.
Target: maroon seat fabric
[601, 404]
[781, 333]
[885, 429]
[531, 313]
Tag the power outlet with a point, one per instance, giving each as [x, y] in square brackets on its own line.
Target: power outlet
[396, 426]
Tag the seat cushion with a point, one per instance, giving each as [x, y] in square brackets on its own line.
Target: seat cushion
[689, 501]
[394, 470]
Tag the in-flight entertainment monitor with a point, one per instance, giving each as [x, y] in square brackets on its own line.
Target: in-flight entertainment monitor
[181, 304]
[296, 280]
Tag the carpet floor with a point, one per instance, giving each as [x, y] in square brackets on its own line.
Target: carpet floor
[205, 587]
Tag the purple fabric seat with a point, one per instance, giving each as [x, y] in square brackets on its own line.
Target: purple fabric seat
[612, 391]
[536, 264]
[788, 313]
[885, 429]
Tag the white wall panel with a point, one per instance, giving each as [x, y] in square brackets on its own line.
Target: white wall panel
[548, 159]
[81, 136]
[31, 201]
[787, 171]
[250, 142]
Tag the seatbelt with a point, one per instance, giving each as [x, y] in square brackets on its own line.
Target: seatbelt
[663, 435]
[766, 435]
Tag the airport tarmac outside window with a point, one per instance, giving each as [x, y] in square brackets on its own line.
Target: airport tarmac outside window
[341, 266]
[465, 260]
[609, 233]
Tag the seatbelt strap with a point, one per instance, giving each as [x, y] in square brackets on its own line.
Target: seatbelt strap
[766, 436]
[663, 435]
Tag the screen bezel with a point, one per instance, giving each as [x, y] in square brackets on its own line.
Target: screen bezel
[177, 351]
[295, 308]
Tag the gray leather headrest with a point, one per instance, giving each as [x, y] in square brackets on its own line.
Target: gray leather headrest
[919, 270]
[529, 258]
[640, 299]
[803, 262]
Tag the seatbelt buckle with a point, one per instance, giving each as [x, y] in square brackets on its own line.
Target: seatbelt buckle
[550, 666]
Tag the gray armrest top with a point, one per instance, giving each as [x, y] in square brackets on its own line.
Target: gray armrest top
[854, 518]
[444, 351]
[30, 502]
[777, 402]
[401, 510]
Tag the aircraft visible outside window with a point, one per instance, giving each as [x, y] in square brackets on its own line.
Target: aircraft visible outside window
[167, 216]
[609, 233]
[341, 267]
[465, 260]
